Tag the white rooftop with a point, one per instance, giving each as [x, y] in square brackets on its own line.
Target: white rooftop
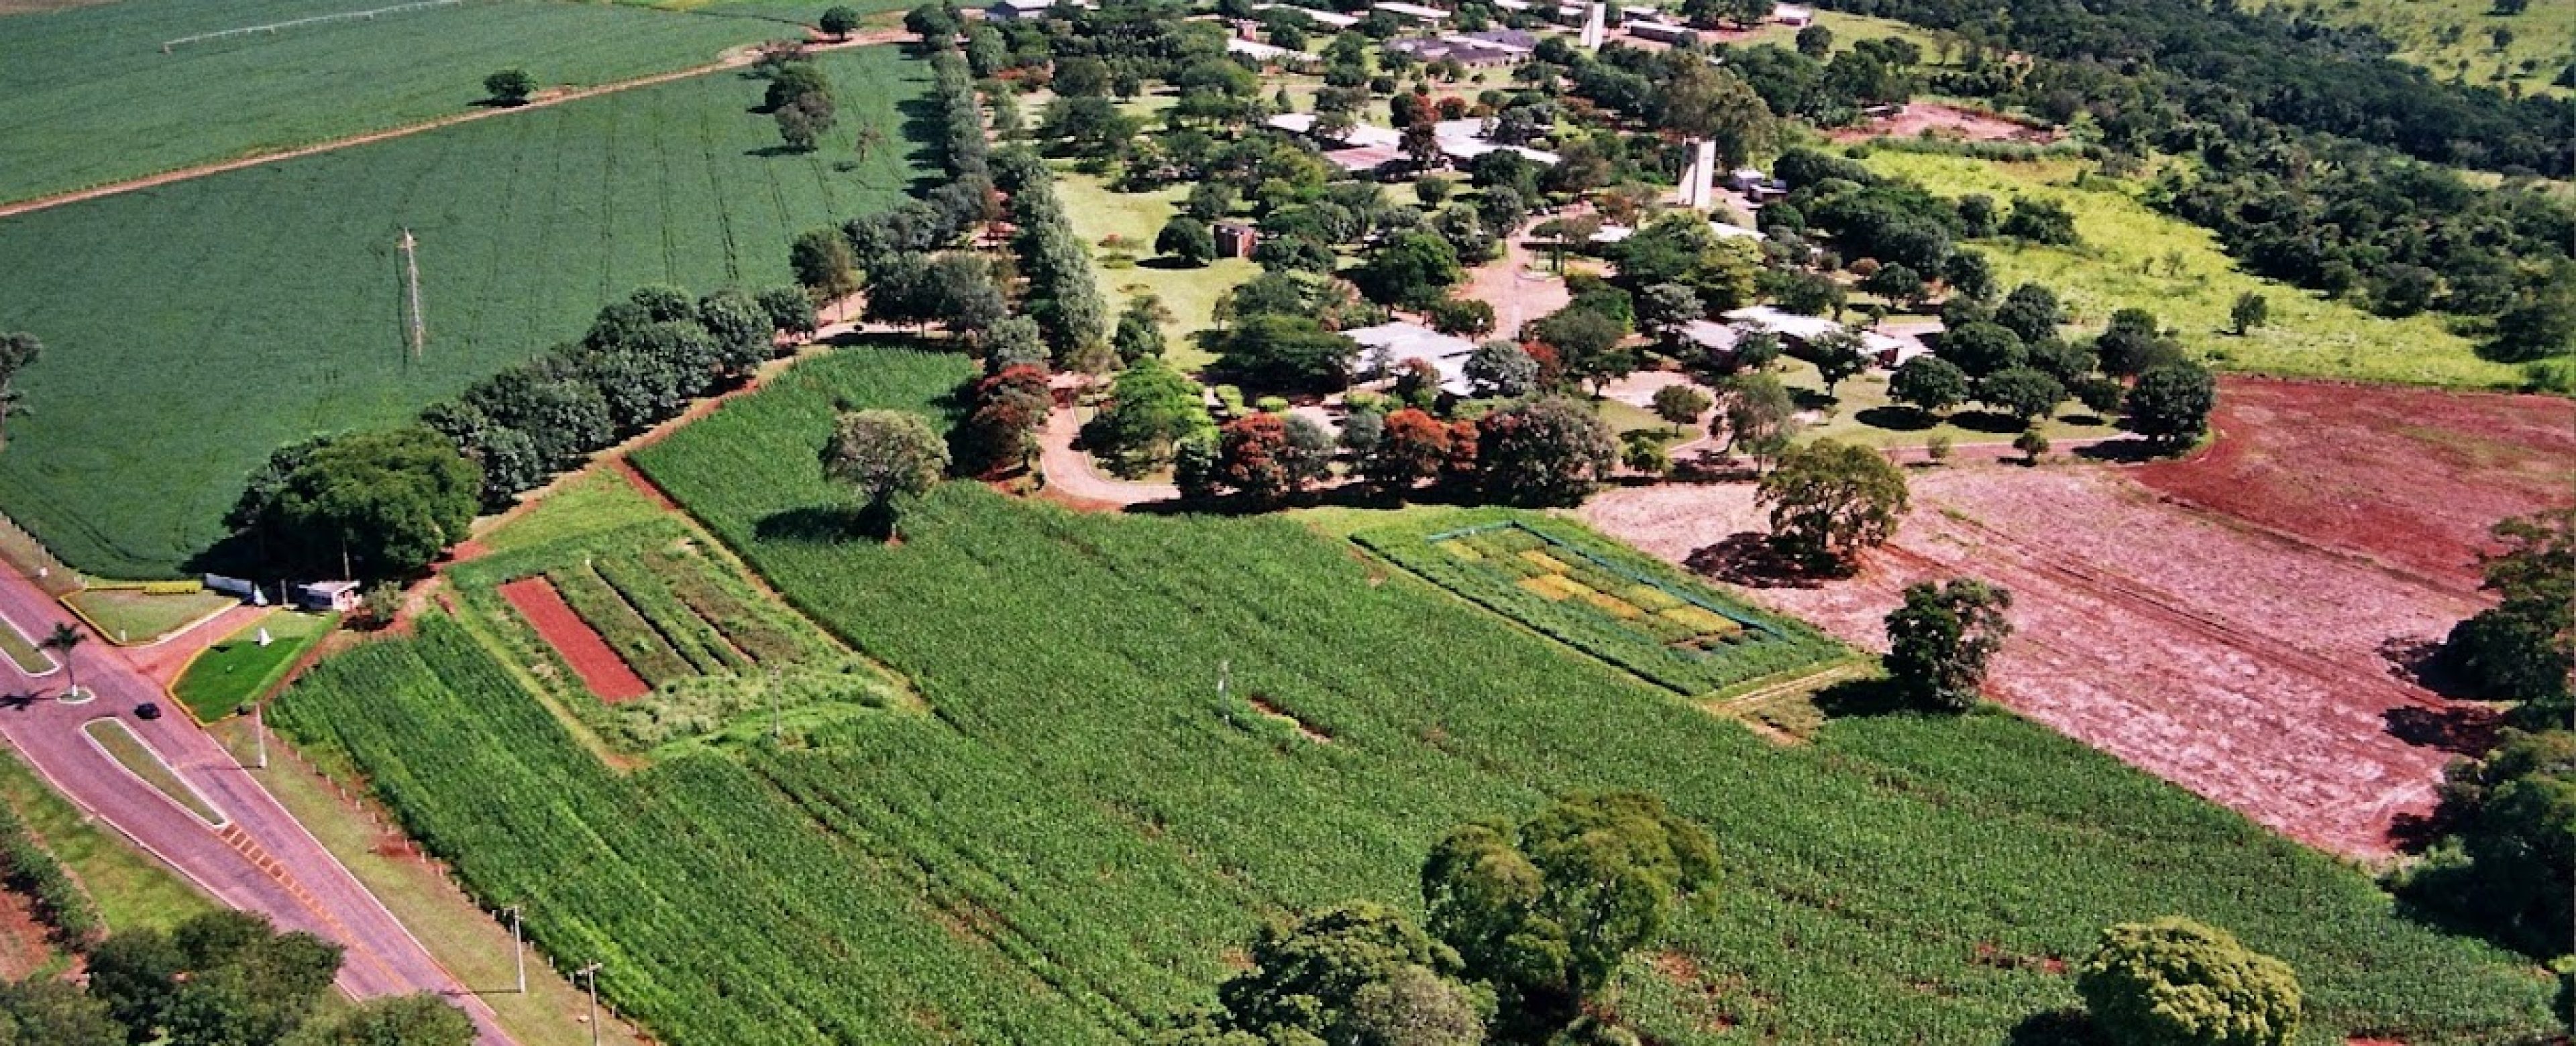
[1400, 341]
[1399, 7]
[1335, 19]
[1790, 324]
[1261, 52]
[1363, 135]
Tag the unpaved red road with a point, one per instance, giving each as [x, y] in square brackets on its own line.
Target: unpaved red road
[740, 58]
[262, 862]
[1071, 474]
[599, 667]
[2238, 663]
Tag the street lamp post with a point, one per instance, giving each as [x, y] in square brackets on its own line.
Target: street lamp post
[590, 974]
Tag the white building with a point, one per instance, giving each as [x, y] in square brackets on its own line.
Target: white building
[1412, 12]
[1334, 19]
[1268, 54]
[1008, 10]
[1792, 14]
[1388, 345]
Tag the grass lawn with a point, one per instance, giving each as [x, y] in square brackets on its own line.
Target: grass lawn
[2449, 37]
[132, 616]
[2307, 337]
[1860, 412]
[472, 943]
[22, 650]
[133, 889]
[236, 671]
[1191, 294]
[592, 501]
[129, 750]
[192, 329]
[87, 96]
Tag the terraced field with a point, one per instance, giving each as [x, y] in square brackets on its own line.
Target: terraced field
[1086, 825]
[193, 328]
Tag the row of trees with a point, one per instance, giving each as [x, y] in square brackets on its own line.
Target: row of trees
[219, 979]
[1528, 923]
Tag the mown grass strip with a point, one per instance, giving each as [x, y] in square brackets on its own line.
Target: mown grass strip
[130, 751]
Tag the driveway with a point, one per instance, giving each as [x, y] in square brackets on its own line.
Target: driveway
[263, 861]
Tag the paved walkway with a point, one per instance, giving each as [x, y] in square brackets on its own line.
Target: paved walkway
[263, 861]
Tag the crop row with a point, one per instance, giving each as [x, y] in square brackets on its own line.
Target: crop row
[1087, 827]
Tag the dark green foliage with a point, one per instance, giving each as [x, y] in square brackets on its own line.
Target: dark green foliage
[2175, 982]
[839, 21]
[1930, 383]
[385, 502]
[1151, 407]
[1411, 269]
[1980, 349]
[1280, 351]
[1186, 240]
[2025, 393]
[2509, 863]
[403, 1020]
[1829, 499]
[2040, 220]
[217, 979]
[2523, 648]
[1547, 909]
[42, 1011]
[31, 871]
[1359, 973]
[1549, 451]
[2170, 404]
[2031, 311]
[1941, 639]
[509, 87]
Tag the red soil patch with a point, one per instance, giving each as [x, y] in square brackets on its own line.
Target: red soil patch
[1946, 121]
[2243, 665]
[2411, 478]
[598, 666]
[644, 484]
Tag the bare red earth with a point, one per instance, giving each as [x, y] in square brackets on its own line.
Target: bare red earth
[2409, 477]
[598, 666]
[2246, 666]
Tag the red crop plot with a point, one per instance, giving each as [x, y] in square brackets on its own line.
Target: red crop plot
[599, 667]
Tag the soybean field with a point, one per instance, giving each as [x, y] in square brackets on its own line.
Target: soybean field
[88, 96]
[1085, 824]
[192, 328]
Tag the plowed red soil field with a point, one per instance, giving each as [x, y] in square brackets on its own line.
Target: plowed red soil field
[2409, 477]
[599, 667]
[2254, 669]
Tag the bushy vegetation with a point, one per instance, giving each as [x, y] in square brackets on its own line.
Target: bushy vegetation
[193, 329]
[1088, 821]
[31, 870]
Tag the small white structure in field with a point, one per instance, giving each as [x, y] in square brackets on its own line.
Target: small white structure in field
[263, 636]
[1792, 14]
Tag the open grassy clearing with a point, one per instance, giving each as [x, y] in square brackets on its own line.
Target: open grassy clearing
[133, 889]
[234, 672]
[2123, 238]
[1075, 840]
[87, 96]
[131, 616]
[2450, 37]
[1860, 411]
[1099, 213]
[192, 329]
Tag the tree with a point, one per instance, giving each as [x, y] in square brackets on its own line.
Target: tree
[1980, 349]
[60, 643]
[1829, 499]
[1412, 446]
[402, 1020]
[1359, 974]
[1465, 317]
[18, 351]
[1837, 354]
[1897, 284]
[2033, 444]
[1281, 351]
[216, 979]
[1411, 269]
[2170, 404]
[1549, 451]
[2175, 982]
[2250, 311]
[2031, 312]
[2510, 861]
[1815, 41]
[2024, 393]
[2040, 220]
[1681, 405]
[1941, 639]
[42, 1011]
[1928, 383]
[1187, 240]
[2523, 648]
[1547, 909]
[1665, 308]
[509, 87]
[1151, 409]
[888, 455]
[1586, 342]
[935, 23]
[1755, 350]
[1970, 275]
[2132, 343]
[823, 265]
[1502, 368]
[383, 503]
[798, 128]
[1759, 415]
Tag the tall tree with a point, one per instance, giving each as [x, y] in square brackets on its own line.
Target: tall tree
[18, 351]
[509, 87]
[1941, 639]
[382, 504]
[60, 642]
[1554, 450]
[2170, 404]
[1358, 974]
[2175, 982]
[888, 455]
[1829, 499]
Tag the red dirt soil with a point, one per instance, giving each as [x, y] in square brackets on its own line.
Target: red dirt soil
[589, 655]
[2240, 664]
[1945, 121]
[2411, 478]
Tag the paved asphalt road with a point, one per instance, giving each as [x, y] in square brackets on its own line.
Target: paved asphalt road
[263, 861]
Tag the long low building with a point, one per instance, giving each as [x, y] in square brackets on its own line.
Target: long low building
[1392, 344]
[1459, 140]
[1334, 19]
[1887, 350]
[1268, 54]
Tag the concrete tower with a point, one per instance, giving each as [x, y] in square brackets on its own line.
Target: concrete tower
[1594, 28]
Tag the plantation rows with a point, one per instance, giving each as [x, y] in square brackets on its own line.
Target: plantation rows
[1622, 607]
[192, 329]
[1088, 815]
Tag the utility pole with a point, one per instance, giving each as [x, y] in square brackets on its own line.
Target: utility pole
[518, 946]
[777, 726]
[590, 974]
[411, 273]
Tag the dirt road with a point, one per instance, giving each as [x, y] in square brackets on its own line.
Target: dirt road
[262, 861]
[1070, 473]
[737, 59]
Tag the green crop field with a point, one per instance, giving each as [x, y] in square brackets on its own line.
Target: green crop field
[193, 328]
[2123, 262]
[1601, 598]
[1085, 826]
[87, 96]
[2451, 38]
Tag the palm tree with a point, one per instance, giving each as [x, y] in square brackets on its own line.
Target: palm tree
[63, 638]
